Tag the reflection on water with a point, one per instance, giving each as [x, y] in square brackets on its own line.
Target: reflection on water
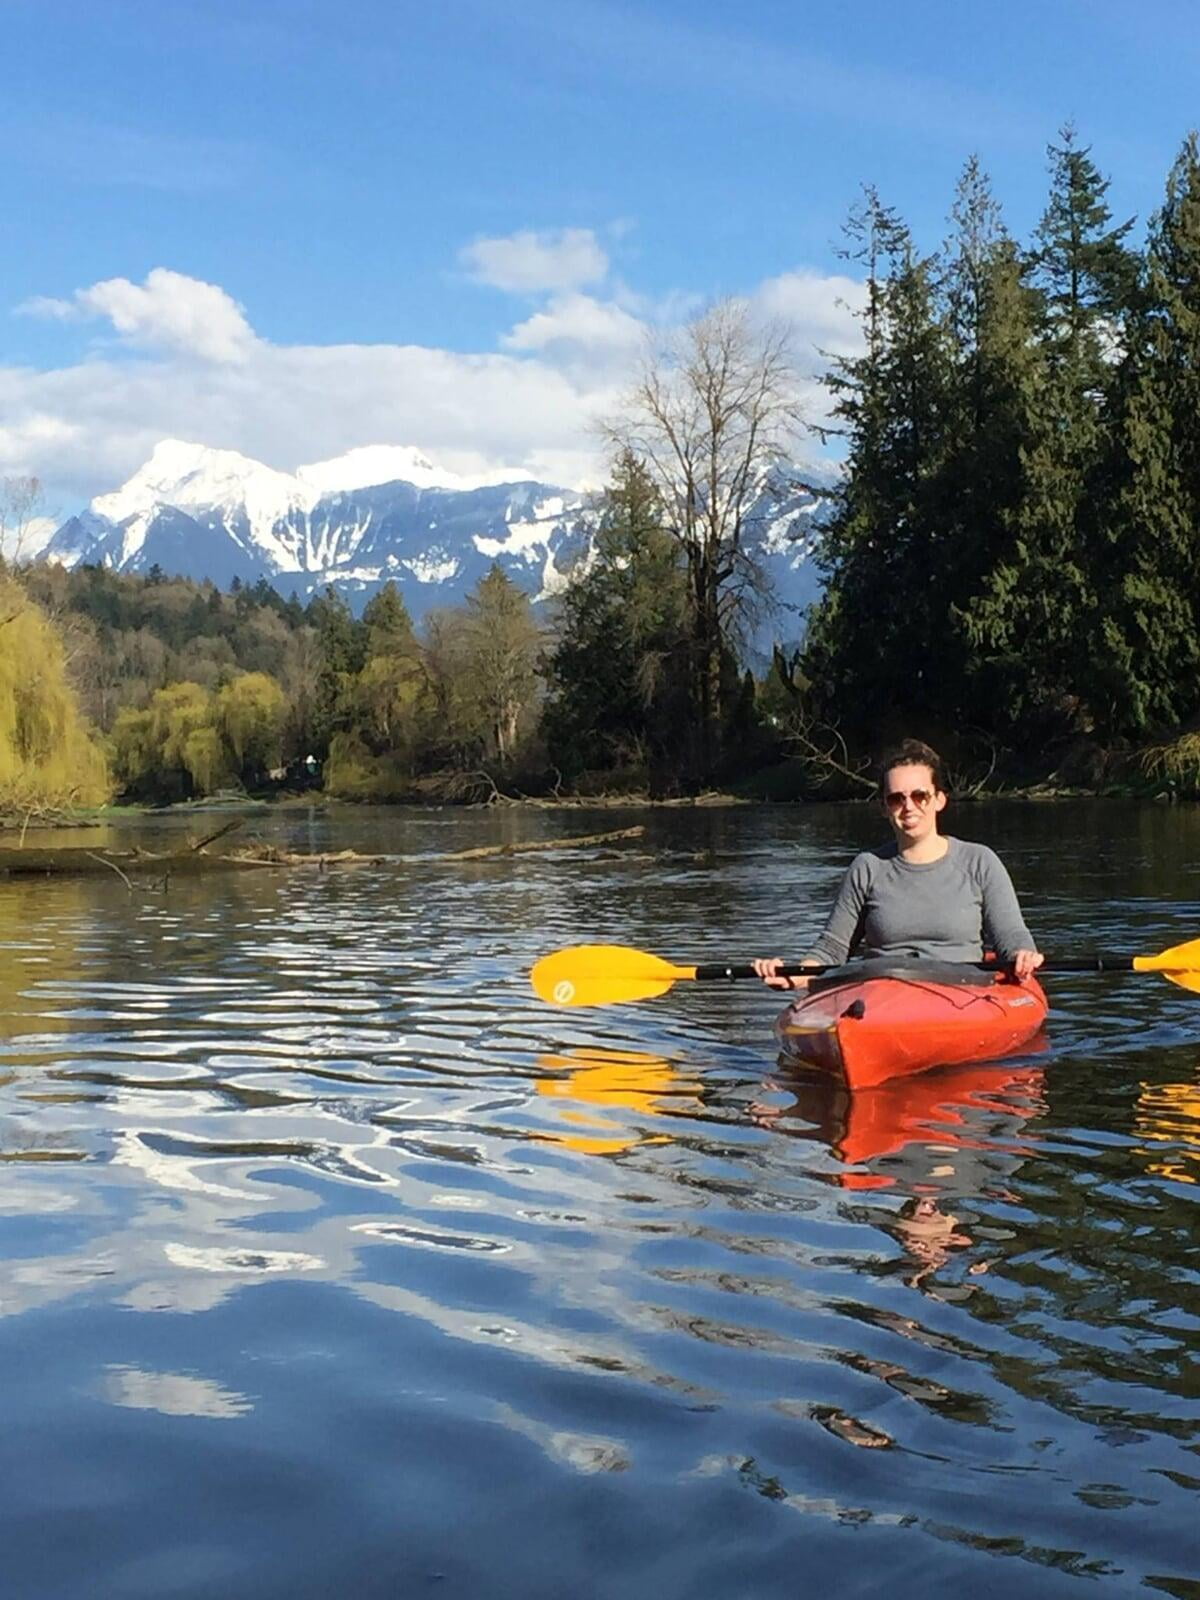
[1168, 1114]
[953, 1129]
[597, 1084]
[328, 1253]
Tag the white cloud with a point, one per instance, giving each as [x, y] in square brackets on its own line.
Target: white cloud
[822, 309]
[170, 311]
[578, 321]
[194, 369]
[528, 262]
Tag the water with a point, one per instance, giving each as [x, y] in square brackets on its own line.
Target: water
[331, 1262]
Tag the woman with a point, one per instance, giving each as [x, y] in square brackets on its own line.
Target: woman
[925, 894]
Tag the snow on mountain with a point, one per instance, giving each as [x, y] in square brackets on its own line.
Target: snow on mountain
[190, 476]
[374, 464]
[380, 512]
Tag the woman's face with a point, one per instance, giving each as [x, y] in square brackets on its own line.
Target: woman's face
[912, 802]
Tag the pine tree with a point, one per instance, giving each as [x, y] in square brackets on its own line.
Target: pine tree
[1149, 661]
[1084, 269]
[341, 645]
[873, 641]
[619, 674]
[389, 629]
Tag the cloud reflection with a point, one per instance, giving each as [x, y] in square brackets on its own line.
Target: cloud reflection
[174, 1394]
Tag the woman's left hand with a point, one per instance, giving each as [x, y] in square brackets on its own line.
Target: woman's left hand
[1025, 963]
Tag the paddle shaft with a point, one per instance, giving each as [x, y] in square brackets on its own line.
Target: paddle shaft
[714, 971]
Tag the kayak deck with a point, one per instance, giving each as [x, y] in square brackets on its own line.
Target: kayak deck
[871, 1027]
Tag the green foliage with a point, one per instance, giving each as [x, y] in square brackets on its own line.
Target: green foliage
[495, 653]
[340, 652]
[1015, 547]
[618, 677]
[1151, 662]
[48, 756]
[194, 741]
[888, 536]
[250, 719]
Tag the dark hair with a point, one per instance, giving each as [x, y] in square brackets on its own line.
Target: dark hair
[912, 753]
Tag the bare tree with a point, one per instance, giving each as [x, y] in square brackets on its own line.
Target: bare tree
[22, 505]
[713, 411]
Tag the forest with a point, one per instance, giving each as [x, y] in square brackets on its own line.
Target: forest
[1009, 560]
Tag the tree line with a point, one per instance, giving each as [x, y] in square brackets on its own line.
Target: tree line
[1013, 553]
[1010, 556]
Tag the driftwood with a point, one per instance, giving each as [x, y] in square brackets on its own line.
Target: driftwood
[270, 855]
[543, 844]
[129, 864]
[74, 861]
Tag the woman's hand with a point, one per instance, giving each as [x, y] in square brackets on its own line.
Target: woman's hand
[768, 971]
[1025, 963]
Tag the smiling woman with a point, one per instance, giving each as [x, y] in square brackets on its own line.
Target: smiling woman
[924, 895]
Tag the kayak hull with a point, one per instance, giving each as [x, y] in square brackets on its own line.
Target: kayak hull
[871, 1029]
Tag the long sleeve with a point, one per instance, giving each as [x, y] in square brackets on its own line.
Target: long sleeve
[842, 931]
[1003, 925]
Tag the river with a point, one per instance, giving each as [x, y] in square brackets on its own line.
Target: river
[334, 1263]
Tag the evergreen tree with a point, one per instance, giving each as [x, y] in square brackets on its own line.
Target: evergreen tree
[618, 677]
[1084, 269]
[387, 624]
[874, 639]
[389, 699]
[1149, 657]
[341, 645]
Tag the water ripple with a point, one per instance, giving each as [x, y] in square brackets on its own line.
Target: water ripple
[317, 1225]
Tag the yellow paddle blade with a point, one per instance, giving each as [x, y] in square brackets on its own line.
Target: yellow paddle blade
[1181, 964]
[603, 975]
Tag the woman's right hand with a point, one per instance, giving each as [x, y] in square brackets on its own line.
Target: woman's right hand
[768, 971]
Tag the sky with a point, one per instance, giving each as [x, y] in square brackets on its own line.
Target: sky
[296, 227]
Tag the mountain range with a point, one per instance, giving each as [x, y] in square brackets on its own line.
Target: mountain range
[383, 512]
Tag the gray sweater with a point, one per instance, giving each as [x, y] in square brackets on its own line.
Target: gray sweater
[948, 910]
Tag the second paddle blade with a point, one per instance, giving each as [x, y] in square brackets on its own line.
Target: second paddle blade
[602, 975]
[1181, 964]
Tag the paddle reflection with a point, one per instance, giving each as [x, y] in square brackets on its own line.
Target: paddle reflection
[593, 1081]
[1167, 1115]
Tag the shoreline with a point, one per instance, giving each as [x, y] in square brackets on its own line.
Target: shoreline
[97, 817]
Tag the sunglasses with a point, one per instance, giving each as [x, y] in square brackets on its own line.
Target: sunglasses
[919, 797]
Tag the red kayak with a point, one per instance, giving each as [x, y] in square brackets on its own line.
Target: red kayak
[876, 1020]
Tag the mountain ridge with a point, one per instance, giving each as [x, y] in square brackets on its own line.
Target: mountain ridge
[379, 512]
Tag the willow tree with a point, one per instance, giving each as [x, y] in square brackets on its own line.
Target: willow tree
[250, 717]
[713, 410]
[47, 754]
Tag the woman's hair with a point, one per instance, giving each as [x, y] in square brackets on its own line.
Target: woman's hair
[912, 753]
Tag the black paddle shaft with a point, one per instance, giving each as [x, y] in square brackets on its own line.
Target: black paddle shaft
[715, 971]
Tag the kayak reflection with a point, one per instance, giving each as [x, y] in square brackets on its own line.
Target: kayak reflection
[961, 1130]
[592, 1081]
[1167, 1115]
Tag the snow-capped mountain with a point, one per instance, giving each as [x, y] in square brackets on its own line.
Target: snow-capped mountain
[382, 512]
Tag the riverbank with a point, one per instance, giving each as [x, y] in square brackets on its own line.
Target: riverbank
[1161, 773]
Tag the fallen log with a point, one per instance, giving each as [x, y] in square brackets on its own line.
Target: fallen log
[520, 848]
[77, 860]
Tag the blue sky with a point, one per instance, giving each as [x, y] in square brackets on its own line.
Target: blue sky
[326, 165]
